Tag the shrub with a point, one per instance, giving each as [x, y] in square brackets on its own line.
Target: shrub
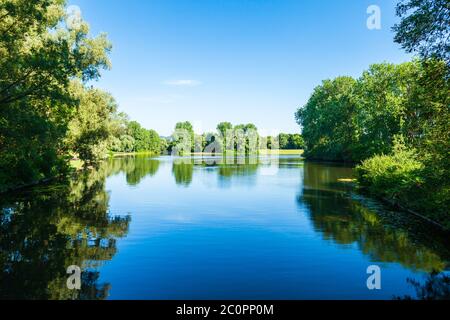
[404, 179]
[396, 176]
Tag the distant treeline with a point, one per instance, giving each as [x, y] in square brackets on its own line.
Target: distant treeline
[394, 121]
[131, 137]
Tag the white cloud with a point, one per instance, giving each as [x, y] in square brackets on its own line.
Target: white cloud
[184, 83]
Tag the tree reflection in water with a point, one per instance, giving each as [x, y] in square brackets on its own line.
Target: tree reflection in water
[47, 229]
[436, 287]
[385, 236]
[135, 168]
[183, 171]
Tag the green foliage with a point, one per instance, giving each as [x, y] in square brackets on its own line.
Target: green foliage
[246, 138]
[183, 171]
[185, 125]
[183, 138]
[123, 143]
[381, 98]
[358, 120]
[164, 146]
[384, 235]
[424, 28]
[246, 127]
[213, 142]
[290, 141]
[352, 120]
[410, 101]
[392, 176]
[223, 127]
[90, 129]
[40, 56]
[296, 142]
[39, 53]
[54, 227]
[405, 177]
[328, 120]
[145, 140]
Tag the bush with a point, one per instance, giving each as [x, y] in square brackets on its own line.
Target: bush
[404, 179]
[394, 176]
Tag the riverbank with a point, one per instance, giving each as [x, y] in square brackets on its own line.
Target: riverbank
[387, 194]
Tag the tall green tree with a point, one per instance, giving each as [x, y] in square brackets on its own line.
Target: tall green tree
[224, 128]
[381, 96]
[328, 120]
[184, 138]
[296, 141]
[246, 138]
[40, 55]
[92, 126]
[145, 140]
[424, 28]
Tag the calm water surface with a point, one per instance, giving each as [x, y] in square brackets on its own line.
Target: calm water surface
[165, 228]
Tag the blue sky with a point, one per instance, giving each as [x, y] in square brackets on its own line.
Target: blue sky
[241, 61]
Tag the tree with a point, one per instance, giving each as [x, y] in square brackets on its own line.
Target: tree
[246, 138]
[283, 141]
[327, 120]
[394, 119]
[223, 127]
[424, 28]
[145, 140]
[381, 96]
[185, 126]
[213, 143]
[91, 128]
[124, 143]
[184, 137]
[296, 142]
[164, 146]
[40, 55]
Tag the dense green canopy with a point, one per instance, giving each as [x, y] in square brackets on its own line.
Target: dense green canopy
[41, 57]
[424, 28]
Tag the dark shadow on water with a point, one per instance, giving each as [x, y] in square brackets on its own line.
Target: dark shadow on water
[435, 287]
[45, 230]
[383, 235]
[227, 168]
[183, 171]
[136, 168]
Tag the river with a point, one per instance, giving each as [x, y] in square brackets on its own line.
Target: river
[212, 228]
